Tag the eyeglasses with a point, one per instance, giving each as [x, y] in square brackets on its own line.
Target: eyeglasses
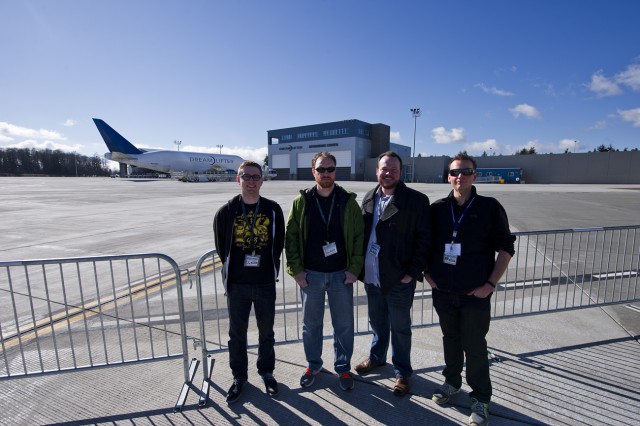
[245, 177]
[325, 169]
[465, 172]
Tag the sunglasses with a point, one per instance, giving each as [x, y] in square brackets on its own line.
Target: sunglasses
[245, 177]
[465, 172]
[325, 169]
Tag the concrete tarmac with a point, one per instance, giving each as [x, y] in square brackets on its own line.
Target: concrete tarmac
[574, 367]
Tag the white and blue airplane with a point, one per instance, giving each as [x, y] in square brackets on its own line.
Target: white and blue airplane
[164, 161]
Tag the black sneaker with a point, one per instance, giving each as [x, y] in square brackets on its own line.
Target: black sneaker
[270, 384]
[235, 390]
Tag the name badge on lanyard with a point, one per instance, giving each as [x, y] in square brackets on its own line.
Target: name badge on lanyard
[451, 253]
[330, 249]
[453, 250]
[252, 260]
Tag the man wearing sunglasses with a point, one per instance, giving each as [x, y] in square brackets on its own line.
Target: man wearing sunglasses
[398, 238]
[463, 271]
[324, 245]
[249, 238]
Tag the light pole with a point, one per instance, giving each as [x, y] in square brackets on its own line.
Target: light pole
[178, 143]
[574, 146]
[220, 146]
[416, 113]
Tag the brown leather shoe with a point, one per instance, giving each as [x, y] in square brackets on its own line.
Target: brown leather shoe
[402, 386]
[367, 365]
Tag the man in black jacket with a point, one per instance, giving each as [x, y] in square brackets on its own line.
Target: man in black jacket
[468, 231]
[398, 242]
[249, 238]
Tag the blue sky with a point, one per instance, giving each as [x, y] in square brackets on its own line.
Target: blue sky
[489, 76]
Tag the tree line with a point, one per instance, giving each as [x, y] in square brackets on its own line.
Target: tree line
[25, 161]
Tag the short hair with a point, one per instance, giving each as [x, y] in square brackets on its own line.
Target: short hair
[389, 154]
[249, 163]
[463, 156]
[323, 154]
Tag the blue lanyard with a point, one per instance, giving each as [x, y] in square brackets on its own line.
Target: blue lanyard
[456, 223]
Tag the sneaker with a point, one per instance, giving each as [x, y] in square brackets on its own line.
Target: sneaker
[442, 395]
[235, 390]
[308, 377]
[346, 381]
[270, 384]
[479, 413]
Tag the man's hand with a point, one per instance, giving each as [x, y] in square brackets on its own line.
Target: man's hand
[349, 278]
[482, 291]
[406, 279]
[301, 279]
[430, 280]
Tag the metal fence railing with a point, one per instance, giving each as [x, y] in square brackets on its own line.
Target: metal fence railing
[87, 312]
[550, 271]
[77, 313]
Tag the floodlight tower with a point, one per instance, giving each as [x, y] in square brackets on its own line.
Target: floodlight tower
[416, 113]
[220, 146]
[178, 144]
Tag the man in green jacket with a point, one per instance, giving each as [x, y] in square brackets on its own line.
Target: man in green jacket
[324, 248]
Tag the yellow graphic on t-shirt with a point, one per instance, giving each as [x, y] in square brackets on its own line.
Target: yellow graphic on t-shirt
[243, 236]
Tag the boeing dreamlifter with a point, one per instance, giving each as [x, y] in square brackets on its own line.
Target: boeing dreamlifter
[164, 161]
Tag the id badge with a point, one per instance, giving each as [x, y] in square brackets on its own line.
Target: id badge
[453, 249]
[330, 249]
[374, 249]
[252, 260]
[450, 260]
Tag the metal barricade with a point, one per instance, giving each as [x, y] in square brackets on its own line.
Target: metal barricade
[88, 312]
[550, 271]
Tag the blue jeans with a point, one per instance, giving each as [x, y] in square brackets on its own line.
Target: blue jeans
[240, 297]
[341, 307]
[390, 315]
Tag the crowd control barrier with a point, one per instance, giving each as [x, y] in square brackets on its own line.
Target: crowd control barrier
[550, 271]
[87, 312]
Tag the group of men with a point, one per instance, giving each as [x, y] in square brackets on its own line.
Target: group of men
[389, 242]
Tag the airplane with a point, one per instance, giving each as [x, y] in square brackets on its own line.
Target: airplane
[164, 161]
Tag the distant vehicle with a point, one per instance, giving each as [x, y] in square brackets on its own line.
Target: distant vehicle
[499, 175]
[165, 161]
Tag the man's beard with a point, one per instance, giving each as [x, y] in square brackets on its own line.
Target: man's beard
[326, 183]
[388, 184]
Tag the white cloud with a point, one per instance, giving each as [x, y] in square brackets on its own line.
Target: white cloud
[490, 146]
[13, 131]
[631, 115]
[39, 145]
[395, 137]
[630, 77]
[69, 123]
[603, 86]
[572, 145]
[442, 136]
[493, 90]
[525, 110]
[602, 124]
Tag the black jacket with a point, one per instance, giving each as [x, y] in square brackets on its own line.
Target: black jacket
[403, 233]
[484, 230]
[223, 231]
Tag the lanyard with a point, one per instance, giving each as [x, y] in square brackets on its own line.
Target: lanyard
[253, 222]
[456, 223]
[326, 222]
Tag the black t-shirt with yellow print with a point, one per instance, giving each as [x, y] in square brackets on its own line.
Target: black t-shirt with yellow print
[252, 236]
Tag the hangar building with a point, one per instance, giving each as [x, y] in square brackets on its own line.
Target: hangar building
[350, 141]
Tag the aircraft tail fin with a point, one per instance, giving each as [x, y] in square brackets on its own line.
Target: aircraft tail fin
[114, 140]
